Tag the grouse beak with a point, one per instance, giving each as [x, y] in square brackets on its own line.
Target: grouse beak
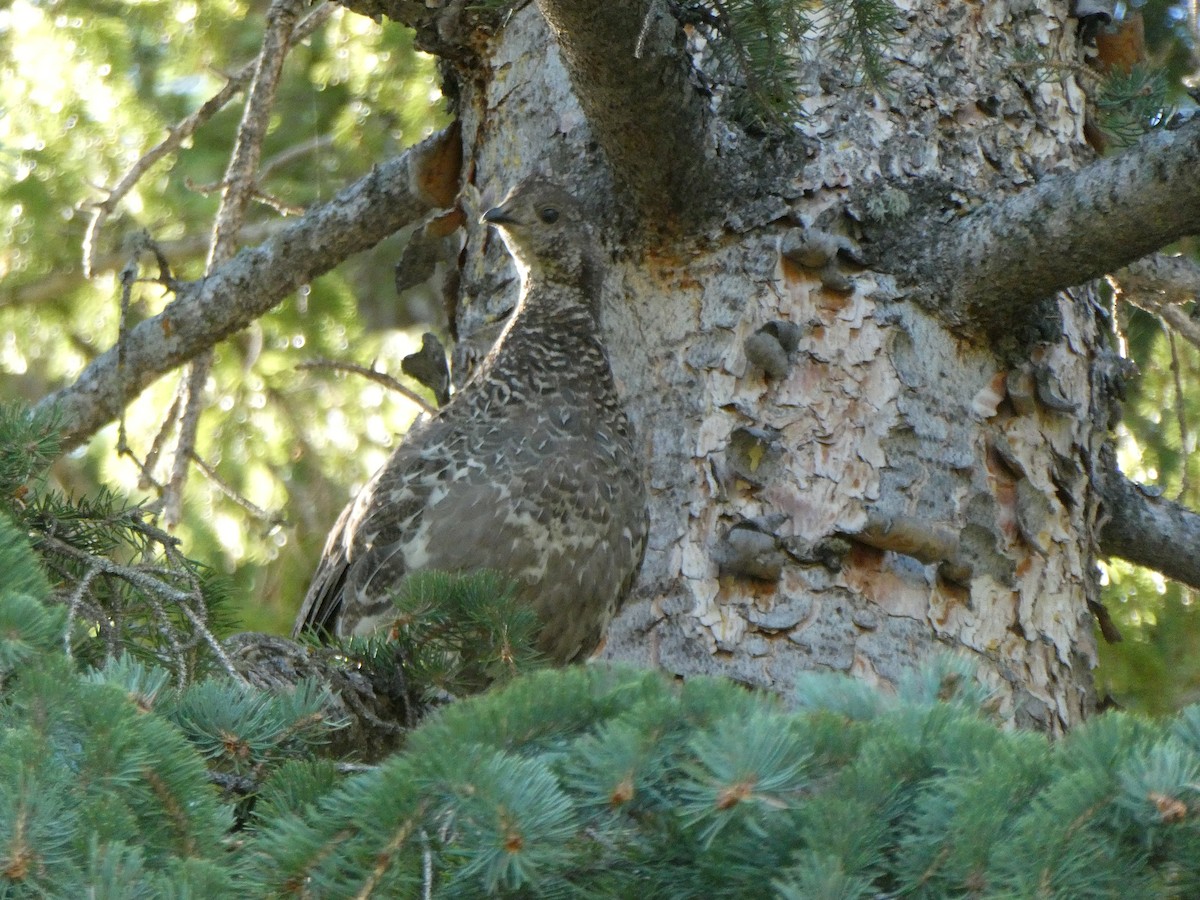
[498, 215]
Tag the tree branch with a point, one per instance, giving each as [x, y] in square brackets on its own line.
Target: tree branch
[1175, 278]
[206, 312]
[1149, 531]
[1159, 284]
[987, 271]
[631, 79]
[238, 188]
[178, 135]
[375, 375]
[179, 251]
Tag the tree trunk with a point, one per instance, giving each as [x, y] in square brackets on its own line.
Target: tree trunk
[839, 480]
[872, 396]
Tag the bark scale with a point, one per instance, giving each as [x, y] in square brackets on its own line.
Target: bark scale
[838, 480]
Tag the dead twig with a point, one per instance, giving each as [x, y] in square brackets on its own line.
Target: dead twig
[179, 134]
[263, 515]
[239, 188]
[154, 584]
[373, 375]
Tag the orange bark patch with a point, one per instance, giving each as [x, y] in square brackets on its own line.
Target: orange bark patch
[792, 273]
[437, 171]
[446, 224]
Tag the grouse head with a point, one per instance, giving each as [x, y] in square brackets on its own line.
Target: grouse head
[543, 228]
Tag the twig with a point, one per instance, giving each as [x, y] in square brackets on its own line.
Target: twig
[128, 275]
[73, 604]
[294, 152]
[228, 490]
[1180, 412]
[239, 188]
[374, 375]
[153, 587]
[353, 768]
[135, 575]
[213, 644]
[168, 631]
[280, 206]
[191, 393]
[239, 180]
[426, 867]
[146, 467]
[384, 858]
[180, 133]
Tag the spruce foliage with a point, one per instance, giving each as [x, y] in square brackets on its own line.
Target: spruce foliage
[124, 582]
[753, 49]
[1132, 103]
[750, 52]
[454, 635]
[612, 783]
[131, 779]
[94, 794]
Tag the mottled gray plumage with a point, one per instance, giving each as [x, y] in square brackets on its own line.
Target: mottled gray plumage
[529, 470]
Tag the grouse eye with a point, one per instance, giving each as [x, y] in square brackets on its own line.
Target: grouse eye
[548, 214]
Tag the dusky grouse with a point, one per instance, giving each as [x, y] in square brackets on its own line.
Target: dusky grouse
[528, 470]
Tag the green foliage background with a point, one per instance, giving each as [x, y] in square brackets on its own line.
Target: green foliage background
[87, 87]
[85, 90]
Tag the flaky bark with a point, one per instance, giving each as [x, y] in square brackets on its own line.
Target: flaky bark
[773, 471]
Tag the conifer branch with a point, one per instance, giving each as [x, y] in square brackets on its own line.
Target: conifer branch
[1147, 530]
[394, 194]
[986, 272]
[755, 46]
[861, 31]
[155, 585]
